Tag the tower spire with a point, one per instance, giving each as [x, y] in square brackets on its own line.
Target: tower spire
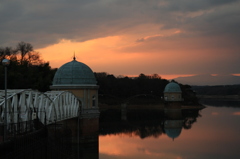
[74, 57]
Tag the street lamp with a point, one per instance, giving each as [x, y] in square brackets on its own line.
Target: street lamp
[5, 63]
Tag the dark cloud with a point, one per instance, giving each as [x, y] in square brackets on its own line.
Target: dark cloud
[75, 20]
[207, 79]
[196, 5]
[46, 22]
[140, 40]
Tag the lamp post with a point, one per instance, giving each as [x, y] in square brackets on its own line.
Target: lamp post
[5, 63]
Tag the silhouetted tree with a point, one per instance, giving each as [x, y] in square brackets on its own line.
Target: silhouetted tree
[124, 87]
[27, 71]
[152, 85]
[6, 52]
[24, 49]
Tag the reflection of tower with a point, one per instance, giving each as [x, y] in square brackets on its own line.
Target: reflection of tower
[173, 123]
[88, 138]
[124, 111]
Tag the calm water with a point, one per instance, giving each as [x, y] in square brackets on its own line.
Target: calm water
[213, 132]
[210, 133]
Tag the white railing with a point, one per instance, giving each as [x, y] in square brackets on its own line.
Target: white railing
[48, 107]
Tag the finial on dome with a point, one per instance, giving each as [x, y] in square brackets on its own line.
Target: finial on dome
[74, 57]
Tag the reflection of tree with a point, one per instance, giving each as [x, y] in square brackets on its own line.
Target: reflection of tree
[191, 116]
[187, 123]
[154, 131]
[131, 129]
[143, 123]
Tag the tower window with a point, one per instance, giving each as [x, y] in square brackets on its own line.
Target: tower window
[93, 101]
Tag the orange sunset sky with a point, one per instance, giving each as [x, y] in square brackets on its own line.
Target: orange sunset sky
[129, 37]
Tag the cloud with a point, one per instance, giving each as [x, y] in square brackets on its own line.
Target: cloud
[157, 36]
[207, 79]
[149, 37]
[215, 113]
[236, 113]
[47, 22]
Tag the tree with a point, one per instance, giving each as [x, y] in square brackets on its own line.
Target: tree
[155, 76]
[26, 69]
[34, 58]
[24, 49]
[6, 51]
[142, 76]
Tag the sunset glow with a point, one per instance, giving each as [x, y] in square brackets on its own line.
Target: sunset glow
[134, 147]
[236, 113]
[206, 136]
[172, 39]
[215, 113]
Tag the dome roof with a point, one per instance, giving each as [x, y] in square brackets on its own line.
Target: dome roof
[74, 73]
[172, 87]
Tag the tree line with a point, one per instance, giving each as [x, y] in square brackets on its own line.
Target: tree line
[22, 53]
[28, 71]
[151, 88]
[222, 90]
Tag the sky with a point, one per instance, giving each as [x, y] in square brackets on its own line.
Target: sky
[171, 38]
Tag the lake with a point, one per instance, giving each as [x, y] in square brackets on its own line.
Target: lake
[172, 133]
[213, 132]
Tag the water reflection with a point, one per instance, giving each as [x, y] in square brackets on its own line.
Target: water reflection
[221, 102]
[214, 135]
[148, 133]
[116, 127]
[173, 123]
[88, 141]
[148, 123]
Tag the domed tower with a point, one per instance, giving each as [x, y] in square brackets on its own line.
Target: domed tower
[79, 79]
[172, 92]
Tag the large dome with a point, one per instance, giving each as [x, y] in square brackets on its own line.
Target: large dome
[172, 87]
[74, 73]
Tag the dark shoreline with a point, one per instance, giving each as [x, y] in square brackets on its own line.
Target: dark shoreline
[220, 97]
[153, 107]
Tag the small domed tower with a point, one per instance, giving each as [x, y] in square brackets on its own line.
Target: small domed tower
[79, 79]
[172, 92]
